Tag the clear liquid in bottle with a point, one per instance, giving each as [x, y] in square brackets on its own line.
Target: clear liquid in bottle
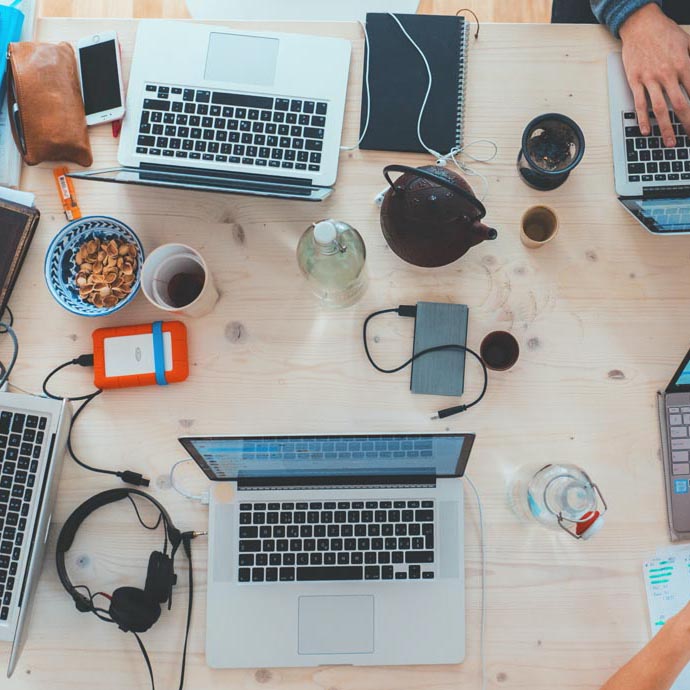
[332, 257]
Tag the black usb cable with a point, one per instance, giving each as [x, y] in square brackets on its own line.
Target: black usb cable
[127, 476]
[410, 311]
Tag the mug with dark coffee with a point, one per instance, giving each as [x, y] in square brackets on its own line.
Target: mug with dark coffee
[175, 278]
[499, 351]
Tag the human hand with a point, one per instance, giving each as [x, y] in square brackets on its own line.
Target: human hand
[656, 57]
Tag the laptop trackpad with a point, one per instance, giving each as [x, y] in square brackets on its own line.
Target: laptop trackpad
[336, 625]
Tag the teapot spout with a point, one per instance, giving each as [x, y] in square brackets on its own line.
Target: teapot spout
[484, 232]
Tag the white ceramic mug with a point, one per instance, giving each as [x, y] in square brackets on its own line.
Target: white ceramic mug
[163, 265]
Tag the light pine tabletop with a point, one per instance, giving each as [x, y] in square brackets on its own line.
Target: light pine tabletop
[600, 315]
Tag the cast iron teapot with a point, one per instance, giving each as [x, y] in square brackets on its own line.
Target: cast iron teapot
[430, 216]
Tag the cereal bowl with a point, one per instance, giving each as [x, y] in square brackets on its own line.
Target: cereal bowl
[94, 242]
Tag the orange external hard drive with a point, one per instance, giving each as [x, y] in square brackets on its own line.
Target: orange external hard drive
[146, 355]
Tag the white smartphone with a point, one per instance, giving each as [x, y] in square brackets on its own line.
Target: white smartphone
[101, 78]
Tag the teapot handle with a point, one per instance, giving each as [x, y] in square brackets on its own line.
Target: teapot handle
[434, 178]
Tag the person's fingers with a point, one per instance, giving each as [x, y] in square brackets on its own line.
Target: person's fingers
[660, 109]
[641, 107]
[685, 81]
[680, 104]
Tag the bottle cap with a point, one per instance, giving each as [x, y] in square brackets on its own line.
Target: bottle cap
[325, 232]
[591, 524]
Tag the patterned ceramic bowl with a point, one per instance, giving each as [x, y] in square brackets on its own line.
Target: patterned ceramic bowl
[61, 269]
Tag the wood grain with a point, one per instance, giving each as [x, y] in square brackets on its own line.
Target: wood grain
[600, 314]
[487, 10]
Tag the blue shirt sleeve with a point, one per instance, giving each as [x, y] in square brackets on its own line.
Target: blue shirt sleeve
[614, 12]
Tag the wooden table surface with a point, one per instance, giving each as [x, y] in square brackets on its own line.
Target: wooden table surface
[600, 315]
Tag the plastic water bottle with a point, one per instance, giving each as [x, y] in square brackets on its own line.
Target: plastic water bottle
[331, 255]
[558, 497]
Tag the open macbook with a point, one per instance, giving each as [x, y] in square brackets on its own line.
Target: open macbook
[335, 549]
[218, 109]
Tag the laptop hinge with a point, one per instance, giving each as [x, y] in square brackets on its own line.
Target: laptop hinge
[675, 192]
[215, 175]
[379, 482]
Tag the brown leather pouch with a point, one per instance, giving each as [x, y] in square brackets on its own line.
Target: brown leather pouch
[50, 124]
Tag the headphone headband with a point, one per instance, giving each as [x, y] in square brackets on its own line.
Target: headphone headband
[74, 521]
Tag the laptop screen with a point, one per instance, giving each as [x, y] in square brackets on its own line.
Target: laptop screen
[289, 457]
[661, 215]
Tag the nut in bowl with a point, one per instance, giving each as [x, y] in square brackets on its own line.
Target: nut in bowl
[106, 271]
[93, 266]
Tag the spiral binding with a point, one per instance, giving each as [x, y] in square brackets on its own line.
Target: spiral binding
[462, 77]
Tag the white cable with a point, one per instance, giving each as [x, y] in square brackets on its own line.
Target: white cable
[428, 88]
[482, 629]
[441, 159]
[19, 388]
[368, 91]
[202, 498]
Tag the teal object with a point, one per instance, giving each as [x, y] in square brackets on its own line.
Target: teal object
[11, 21]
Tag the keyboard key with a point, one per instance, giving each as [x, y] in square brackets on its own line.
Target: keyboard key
[341, 572]
[419, 557]
[156, 104]
[235, 99]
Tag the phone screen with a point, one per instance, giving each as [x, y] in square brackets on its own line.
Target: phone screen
[99, 77]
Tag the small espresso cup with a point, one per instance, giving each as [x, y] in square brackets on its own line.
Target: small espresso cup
[175, 278]
[499, 351]
[539, 225]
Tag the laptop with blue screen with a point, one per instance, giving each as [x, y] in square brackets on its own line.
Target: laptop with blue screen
[674, 420]
[335, 549]
[652, 180]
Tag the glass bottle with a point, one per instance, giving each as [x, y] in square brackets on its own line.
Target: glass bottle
[331, 255]
[559, 497]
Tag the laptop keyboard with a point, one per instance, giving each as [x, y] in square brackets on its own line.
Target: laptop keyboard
[343, 540]
[679, 432]
[232, 128]
[22, 438]
[648, 159]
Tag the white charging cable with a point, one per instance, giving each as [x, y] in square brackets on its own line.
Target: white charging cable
[482, 543]
[203, 498]
[366, 86]
[441, 159]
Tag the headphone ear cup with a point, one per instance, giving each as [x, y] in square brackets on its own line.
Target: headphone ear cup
[160, 577]
[133, 609]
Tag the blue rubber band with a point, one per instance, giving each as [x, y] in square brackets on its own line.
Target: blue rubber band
[159, 353]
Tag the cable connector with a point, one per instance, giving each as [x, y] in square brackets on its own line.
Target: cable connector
[134, 478]
[450, 411]
[84, 360]
[409, 310]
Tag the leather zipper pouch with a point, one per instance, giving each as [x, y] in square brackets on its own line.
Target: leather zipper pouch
[45, 104]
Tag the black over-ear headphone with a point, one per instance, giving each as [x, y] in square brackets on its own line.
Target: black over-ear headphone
[132, 609]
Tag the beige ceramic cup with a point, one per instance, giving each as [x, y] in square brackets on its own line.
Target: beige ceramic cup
[539, 225]
[176, 279]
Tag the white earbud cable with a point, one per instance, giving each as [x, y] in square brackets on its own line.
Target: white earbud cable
[482, 543]
[441, 159]
[202, 498]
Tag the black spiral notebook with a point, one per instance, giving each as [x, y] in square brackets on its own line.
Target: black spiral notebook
[398, 81]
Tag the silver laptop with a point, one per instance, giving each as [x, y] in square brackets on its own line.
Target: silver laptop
[652, 181]
[335, 549]
[674, 419]
[33, 434]
[223, 110]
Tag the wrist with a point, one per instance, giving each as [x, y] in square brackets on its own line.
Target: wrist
[640, 19]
